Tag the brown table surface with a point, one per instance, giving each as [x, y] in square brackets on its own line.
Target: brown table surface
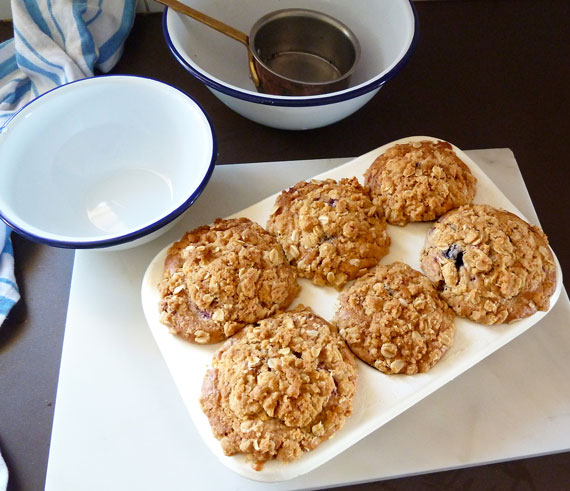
[485, 74]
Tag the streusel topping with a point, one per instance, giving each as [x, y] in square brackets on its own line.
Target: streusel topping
[489, 265]
[280, 387]
[330, 230]
[393, 319]
[221, 277]
[419, 181]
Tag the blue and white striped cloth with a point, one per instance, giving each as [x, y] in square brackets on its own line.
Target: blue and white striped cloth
[55, 42]
[9, 294]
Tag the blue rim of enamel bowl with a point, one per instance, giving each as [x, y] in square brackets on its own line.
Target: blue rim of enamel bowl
[288, 101]
[137, 234]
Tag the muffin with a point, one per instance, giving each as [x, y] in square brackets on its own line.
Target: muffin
[279, 387]
[394, 320]
[489, 265]
[220, 277]
[330, 230]
[419, 181]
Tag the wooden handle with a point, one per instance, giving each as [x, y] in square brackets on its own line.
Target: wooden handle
[209, 21]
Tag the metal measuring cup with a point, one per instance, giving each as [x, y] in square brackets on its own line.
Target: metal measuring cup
[292, 52]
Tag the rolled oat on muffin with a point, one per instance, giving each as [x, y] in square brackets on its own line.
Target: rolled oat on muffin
[220, 277]
[279, 387]
[489, 265]
[330, 230]
[394, 320]
[419, 181]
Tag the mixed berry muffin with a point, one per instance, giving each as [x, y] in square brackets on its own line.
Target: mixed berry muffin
[419, 181]
[279, 387]
[393, 319]
[489, 265]
[220, 277]
[330, 230]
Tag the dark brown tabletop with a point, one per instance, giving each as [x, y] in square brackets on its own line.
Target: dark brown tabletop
[485, 74]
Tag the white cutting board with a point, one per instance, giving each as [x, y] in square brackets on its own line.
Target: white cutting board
[121, 424]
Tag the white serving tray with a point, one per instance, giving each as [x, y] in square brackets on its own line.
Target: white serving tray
[379, 397]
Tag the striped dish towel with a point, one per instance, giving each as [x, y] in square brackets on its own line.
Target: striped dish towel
[55, 42]
[9, 294]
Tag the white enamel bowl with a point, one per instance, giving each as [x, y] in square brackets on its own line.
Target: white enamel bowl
[386, 30]
[104, 162]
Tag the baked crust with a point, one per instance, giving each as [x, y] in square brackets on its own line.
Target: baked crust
[419, 181]
[220, 277]
[279, 387]
[489, 265]
[330, 230]
[393, 319]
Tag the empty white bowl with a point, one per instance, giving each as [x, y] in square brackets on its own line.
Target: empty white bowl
[386, 30]
[108, 161]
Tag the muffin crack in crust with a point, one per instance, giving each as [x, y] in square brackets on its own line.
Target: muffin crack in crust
[419, 181]
[393, 319]
[330, 230]
[490, 265]
[220, 277]
[280, 387]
